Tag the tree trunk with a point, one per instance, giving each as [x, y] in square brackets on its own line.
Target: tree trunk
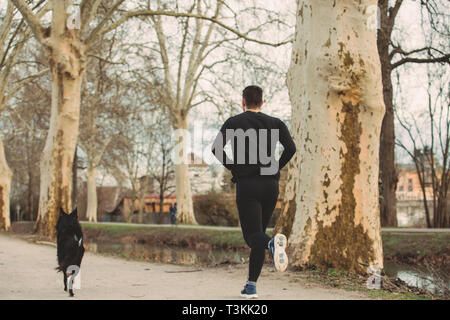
[161, 194]
[185, 213]
[5, 189]
[289, 205]
[129, 217]
[141, 206]
[75, 178]
[335, 87]
[388, 172]
[67, 63]
[92, 202]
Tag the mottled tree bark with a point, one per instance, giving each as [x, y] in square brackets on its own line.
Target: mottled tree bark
[92, 203]
[335, 88]
[185, 208]
[5, 189]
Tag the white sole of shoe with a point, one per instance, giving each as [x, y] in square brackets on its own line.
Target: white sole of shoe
[249, 296]
[280, 257]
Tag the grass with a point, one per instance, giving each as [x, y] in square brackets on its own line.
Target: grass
[183, 237]
[415, 247]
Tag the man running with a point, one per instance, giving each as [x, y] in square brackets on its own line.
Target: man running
[253, 136]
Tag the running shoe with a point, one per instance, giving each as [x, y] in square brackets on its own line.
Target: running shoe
[277, 246]
[249, 291]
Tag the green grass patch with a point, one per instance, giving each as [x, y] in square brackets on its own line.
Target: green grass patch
[405, 246]
[175, 236]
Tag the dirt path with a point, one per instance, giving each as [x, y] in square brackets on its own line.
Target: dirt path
[27, 272]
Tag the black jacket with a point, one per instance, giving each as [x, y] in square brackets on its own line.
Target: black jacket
[252, 156]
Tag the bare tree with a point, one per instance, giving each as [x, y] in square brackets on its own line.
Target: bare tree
[162, 169]
[158, 162]
[103, 106]
[126, 156]
[392, 56]
[186, 61]
[13, 36]
[428, 148]
[24, 134]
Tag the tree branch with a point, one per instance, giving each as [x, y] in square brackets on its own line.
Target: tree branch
[31, 19]
[6, 24]
[25, 81]
[445, 59]
[394, 10]
[97, 30]
[139, 13]
[88, 10]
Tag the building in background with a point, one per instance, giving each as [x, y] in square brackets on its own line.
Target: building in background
[410, 208]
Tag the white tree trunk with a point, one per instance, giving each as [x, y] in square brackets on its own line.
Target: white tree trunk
[92, 202]
[67, 59]
[289, 205]
[185, 209]
[5, 189]
[335, 87]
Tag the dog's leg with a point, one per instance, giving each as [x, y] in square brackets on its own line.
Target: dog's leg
[65, 280]
[71, 289]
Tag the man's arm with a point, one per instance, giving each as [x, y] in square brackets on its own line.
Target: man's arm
[288, 145]
[219, 145]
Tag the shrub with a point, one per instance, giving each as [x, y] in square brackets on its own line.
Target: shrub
[217, 209]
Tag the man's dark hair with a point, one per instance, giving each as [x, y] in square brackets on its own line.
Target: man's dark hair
[252, 96]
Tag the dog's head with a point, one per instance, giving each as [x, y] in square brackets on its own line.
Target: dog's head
[67, 220]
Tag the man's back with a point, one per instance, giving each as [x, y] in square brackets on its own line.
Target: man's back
[253, 137]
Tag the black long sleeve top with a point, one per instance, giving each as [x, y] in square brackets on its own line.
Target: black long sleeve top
[253, 137]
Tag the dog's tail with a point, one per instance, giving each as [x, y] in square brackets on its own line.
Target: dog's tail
[65, 263]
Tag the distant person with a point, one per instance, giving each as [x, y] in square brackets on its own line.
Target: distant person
[173, 214]
[256, 172]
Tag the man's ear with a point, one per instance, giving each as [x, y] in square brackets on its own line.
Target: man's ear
[61, 211]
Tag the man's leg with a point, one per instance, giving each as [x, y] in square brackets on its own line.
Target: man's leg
[269, 201]
[279, 242]
[250, 216]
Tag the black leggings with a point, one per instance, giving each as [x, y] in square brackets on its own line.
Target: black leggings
[256, 198]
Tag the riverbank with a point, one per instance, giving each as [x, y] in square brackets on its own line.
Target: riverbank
[399, 246]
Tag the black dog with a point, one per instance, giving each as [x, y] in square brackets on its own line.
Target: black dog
[70, 247]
